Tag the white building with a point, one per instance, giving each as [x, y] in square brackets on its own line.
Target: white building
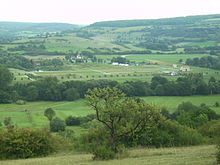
[115, 63]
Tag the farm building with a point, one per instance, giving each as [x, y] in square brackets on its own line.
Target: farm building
[119, 64]
[185, 68]
[115, 63]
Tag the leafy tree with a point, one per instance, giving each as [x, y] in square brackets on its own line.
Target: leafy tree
[5, 77]
[158, 80]
[71, 94]
[49, 113]
[32, 93]
[120, 116]
[49, 89]
[57, 125]
[4, 97]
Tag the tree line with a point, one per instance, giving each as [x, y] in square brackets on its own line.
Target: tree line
[206, 62]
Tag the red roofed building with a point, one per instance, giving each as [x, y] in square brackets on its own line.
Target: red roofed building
[185, 68]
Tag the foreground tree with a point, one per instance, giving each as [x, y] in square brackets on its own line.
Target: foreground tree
[120, 116]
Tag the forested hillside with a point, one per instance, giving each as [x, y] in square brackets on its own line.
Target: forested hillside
[16, 30]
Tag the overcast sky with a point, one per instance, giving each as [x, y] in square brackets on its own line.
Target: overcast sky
[89, 11]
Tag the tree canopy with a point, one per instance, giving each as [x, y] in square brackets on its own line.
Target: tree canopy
[120, 116]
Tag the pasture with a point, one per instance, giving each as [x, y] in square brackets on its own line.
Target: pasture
[195, 155]
[32, 113]
[154, 65]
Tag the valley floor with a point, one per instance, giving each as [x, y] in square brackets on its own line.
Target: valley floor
[196, 155]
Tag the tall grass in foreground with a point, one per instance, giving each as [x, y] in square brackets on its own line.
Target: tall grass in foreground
[196, 155]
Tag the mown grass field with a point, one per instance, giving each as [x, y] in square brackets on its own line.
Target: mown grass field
[159, 64]
[32, 113]
[166, 58]
[196, 155]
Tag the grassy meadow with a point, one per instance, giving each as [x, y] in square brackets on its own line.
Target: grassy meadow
[195, 155]
[32, 113]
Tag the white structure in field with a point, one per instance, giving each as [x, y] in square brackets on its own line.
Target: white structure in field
[119, 64]
[79, 57]
[123, 65]
[174, 65]
[115, 63]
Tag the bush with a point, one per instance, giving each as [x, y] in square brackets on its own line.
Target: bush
[7, 121]
[103, 152]
[25, 143]
[20, 102]
[211, 130]
[57, 125]
[97, 142]
[71, 121]
[166, 134]
[68, 134]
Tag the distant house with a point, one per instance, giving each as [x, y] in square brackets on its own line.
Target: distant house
[115, 63]
[79, 57]
[185, 68]
[123, 65]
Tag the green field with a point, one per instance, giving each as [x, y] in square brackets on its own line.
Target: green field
[161, 58]
[171, 102]
[31, 114]
[197, 155]
[155, 64]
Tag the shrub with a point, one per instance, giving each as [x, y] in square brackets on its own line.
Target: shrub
[166, 134]
[57, 125]
[7, 121]
[20, 102]
[103, 152]
[71, 121]
[68, 134]
[211, 130]
[97, 142]
[25, 143]
[216, 104]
